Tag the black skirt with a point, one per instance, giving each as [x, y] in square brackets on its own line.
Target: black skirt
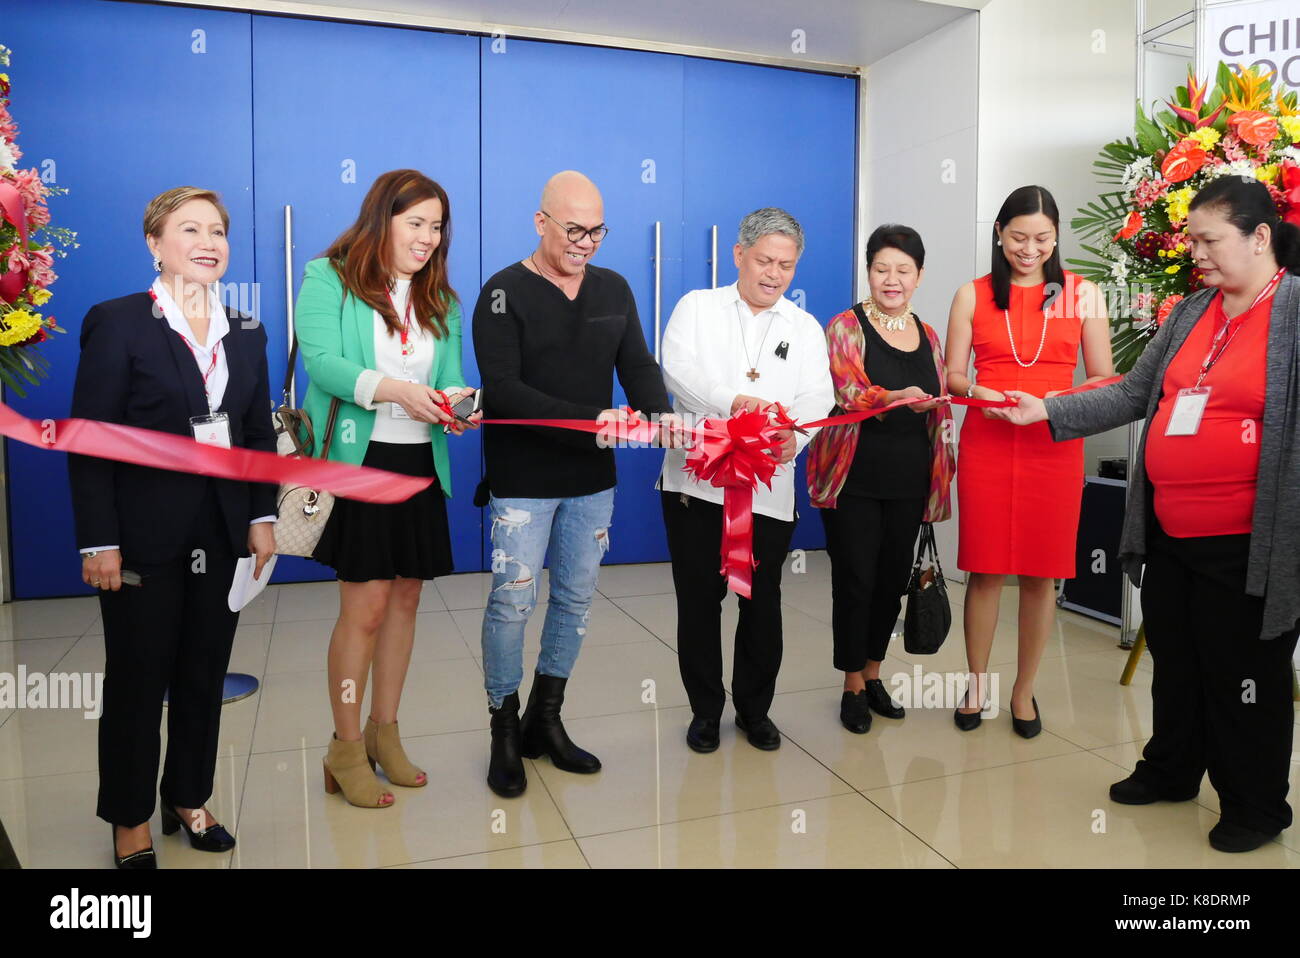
[364, 541]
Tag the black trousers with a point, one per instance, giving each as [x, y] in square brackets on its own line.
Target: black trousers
[1221, 696]
[171, 634]
[870, 543]
[695, 544]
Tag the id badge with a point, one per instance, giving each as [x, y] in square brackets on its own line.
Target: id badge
[396, 410]
[213, 430]
[1188, 409]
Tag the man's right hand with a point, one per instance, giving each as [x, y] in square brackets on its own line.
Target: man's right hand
[743, 403]
[103, 570]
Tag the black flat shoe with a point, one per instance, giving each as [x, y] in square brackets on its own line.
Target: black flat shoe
[213, 839]
[1227, 837]
[1133, 791]
[761, 734]
[1027, 728]
[881, 702]
[703, 735]
[141, 859]
[855, 715]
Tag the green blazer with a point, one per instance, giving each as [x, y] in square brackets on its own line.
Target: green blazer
[336, 336]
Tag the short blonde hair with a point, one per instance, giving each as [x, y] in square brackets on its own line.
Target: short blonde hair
[164, 204]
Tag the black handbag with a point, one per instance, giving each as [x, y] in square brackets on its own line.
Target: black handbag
[929, 616]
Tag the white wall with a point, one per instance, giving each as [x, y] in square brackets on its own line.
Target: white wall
[919, 169]
[1056, 82]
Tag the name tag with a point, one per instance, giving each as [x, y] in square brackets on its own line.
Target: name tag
[1189, 407]
[213, 430]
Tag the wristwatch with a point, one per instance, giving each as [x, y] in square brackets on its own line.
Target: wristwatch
[970, 393]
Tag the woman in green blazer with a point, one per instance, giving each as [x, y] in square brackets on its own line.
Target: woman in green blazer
[379, 329]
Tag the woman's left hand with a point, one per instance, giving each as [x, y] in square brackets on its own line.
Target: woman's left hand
[261, 543]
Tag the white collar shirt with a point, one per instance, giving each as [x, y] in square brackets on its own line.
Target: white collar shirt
[711, 342]
[218, 328]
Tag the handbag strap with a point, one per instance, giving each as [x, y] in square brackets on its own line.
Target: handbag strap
[925, 546]
[290, 369]
[329, 427]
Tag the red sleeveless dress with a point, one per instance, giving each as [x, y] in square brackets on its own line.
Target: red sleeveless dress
[1018, 492]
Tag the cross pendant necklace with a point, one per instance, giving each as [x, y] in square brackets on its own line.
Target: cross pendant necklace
[753, 373]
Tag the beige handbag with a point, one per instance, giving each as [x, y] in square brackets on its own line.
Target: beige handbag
[303, 510]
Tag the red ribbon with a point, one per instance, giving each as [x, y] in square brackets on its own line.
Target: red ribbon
[733, 454]
[164, 450]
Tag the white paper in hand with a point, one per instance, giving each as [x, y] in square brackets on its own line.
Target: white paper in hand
[244, 589]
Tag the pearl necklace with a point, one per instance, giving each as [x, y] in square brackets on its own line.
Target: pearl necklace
[895, 324]
[1014, 354]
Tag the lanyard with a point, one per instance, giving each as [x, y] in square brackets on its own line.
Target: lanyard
[212, 367]
[408, 348]
[1216, 351]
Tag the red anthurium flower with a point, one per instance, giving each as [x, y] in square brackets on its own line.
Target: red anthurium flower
[1254, 127]
[1291, 192]
[1131, 227]
[1183, 161]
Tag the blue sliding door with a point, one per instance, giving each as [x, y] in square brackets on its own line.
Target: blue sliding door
[762, 136]
[118, 103]
[614, 115]
[406, 99]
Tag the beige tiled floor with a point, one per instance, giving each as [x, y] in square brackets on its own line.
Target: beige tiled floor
[911, 793]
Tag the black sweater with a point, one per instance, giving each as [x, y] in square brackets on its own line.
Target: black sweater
[544, 356]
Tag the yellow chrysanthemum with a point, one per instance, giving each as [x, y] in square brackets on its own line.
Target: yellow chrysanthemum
[1266, 174]
[1172, 269]
[17, 325]
[1291, 124]
[40, 297]
[1206, 136]
[1177, 202]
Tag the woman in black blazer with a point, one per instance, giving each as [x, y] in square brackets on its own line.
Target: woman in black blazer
[161, 546]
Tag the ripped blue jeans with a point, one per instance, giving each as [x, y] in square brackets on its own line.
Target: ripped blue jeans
[576, 531]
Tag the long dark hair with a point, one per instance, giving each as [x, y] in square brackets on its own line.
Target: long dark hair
[361, 256]
[1245, 203]
[1025, 202]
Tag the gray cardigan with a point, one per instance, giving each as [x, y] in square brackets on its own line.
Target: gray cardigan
[1273, 568]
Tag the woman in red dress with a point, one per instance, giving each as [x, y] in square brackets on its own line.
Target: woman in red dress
[1019, 492]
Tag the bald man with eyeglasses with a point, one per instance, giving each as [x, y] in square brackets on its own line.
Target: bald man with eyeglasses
[550, 331]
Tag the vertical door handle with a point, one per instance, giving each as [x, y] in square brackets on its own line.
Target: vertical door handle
[291, 398]
[713, 258]
[658, 277]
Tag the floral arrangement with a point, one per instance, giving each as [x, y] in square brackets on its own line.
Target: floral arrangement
[1137, 233]
[28, 245]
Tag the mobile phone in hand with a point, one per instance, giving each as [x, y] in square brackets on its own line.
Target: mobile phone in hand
[466, 407]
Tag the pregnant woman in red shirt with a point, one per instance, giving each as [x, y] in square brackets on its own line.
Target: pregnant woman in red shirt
[1215, 515]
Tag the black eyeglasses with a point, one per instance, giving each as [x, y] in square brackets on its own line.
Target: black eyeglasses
[576, 233]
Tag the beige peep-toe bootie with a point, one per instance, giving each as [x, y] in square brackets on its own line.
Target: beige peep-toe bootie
[384, 747]
[345, 768]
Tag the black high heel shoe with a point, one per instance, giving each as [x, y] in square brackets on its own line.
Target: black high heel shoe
[214, 839]
[966, 721]
[1027, 728]
[140, 859]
